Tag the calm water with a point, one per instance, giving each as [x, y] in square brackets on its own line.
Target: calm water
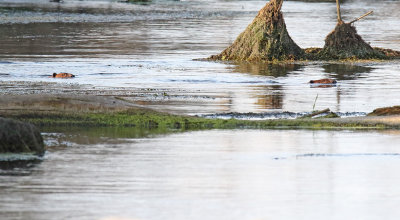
[144, 53]
[232, 174]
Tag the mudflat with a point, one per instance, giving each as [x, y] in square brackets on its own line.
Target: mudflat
[97, 110]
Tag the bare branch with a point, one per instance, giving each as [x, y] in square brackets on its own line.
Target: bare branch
[327, 110]
[339, 16]
[278, 4]
[366, 14]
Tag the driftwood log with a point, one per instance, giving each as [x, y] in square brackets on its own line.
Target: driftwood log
[315, 113]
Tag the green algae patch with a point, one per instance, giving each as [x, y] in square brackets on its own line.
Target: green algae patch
[139, 118]
[148, 119]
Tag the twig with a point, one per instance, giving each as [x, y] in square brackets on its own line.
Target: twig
[339, 16]
[366, 14]
[315, 101]
[316, 113]
[278, 5]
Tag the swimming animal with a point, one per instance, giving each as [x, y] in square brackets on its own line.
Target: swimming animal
[323, 81]
[63, 75]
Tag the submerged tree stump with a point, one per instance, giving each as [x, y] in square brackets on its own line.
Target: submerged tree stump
[266, 38]
[344, 42]
[20, 137]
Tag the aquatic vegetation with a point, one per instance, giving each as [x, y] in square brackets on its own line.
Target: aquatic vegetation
[139, 118]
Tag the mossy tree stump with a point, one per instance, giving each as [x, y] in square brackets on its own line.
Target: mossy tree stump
[20, 137]
[266, 38]
[344, 42]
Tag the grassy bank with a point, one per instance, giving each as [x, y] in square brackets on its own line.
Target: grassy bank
[148, 119]
[50, 111]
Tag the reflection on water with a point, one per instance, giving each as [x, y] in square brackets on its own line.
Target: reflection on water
[235, 174]
[61, 138]
[18, 167]
[72, 39]
[272, 98]
[346, 72]
[275, 70]
[68, 136]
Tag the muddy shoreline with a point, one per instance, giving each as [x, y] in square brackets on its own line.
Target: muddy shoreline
[47, 110]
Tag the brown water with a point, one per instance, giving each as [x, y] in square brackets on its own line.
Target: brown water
[144, 53]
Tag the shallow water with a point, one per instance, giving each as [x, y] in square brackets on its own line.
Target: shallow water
[146, 52]
[231, 174]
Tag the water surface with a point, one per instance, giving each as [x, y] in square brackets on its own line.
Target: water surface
[146, 52]
[231, 174]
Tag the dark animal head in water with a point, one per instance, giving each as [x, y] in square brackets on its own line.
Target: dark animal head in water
[63, 75]
[324, 81]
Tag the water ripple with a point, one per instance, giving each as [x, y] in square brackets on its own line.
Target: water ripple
[349, 155]
[274, 115]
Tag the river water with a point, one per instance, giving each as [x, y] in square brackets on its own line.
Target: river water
[145, 53]
[230, 174]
